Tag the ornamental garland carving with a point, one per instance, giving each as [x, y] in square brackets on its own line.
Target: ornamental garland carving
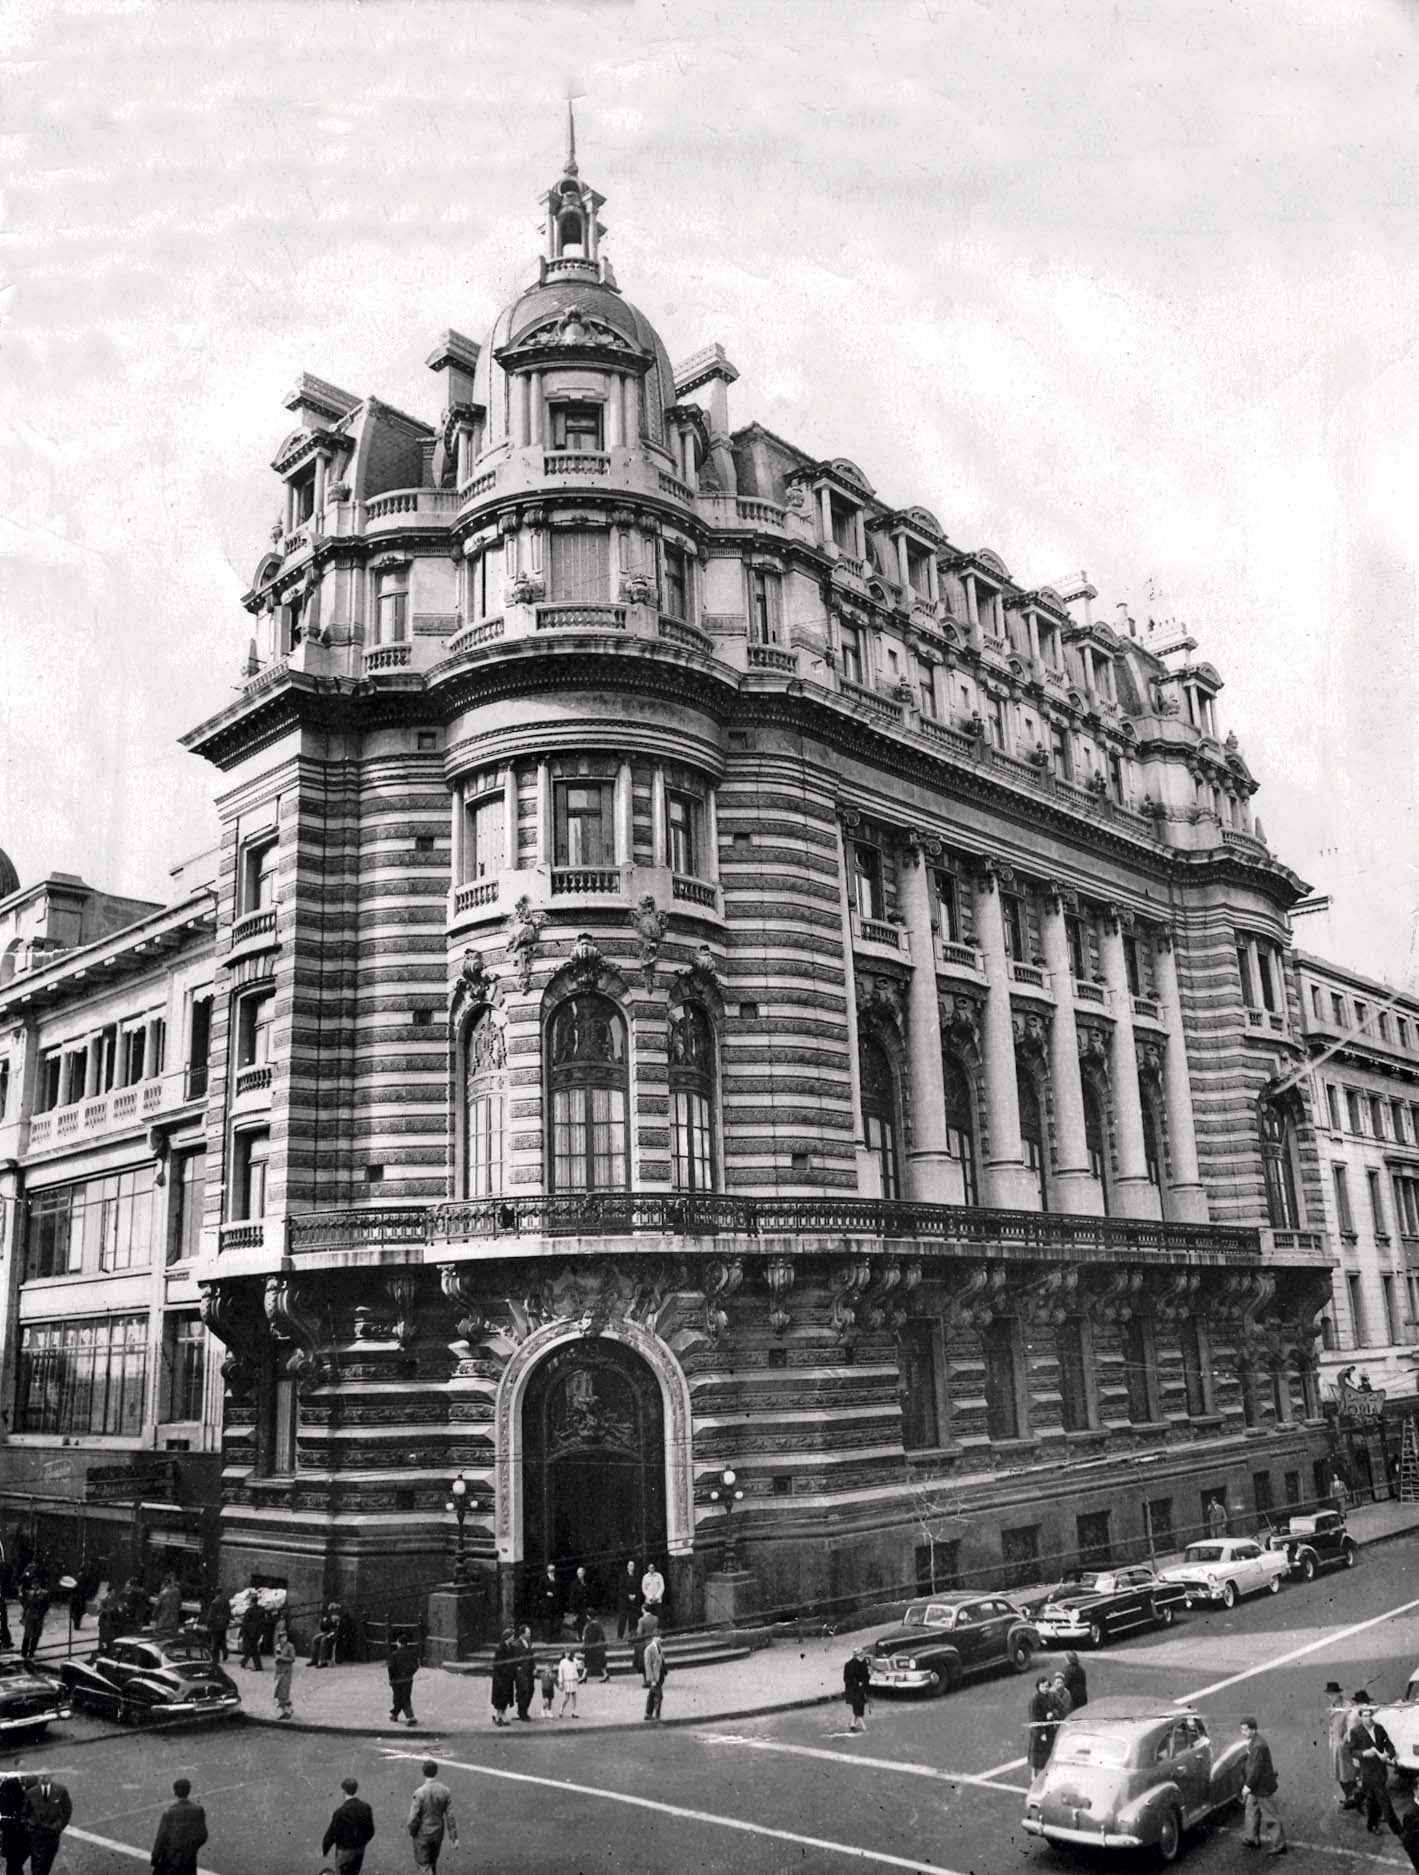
[475, 985]
[779, 1273]
[1052, 1298]
[524, 936]
[1031, 1030]
[293, 1310]
[960, 1014]
[849, 1279]
[873, 1309]
[883, 996]
[1176, 1300]
[1093, 1045]
[910, 1279]
[649, 926]
[1115, 1295]
[977, 1296]
[723, 1277]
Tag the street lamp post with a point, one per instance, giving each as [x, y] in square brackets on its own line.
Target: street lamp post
[728, 1492]
[458, 1504]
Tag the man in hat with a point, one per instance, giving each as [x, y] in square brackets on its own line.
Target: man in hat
[1373, 1751]
[1342, 1766]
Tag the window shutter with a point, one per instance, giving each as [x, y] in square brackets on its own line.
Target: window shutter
[578, 568]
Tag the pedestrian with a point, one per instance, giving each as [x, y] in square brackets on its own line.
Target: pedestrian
[548, 1681]
[569, 1677]
[549, 1604]
[1042, 1725]
[1339, 1719]
[285, 1666]
[48, 1808]
[857, 1684]
[654, 1668]
[431, 1818]
[653, 1593]
[503, 1686]
[110, 1620]
[1261, 1824]
[1373, 1752]
[181, 1833]
[1339, 1492]
[167, 1609]
[219, 1619]
[14, 1837]
[135, 1605]
[350, 1828]
[1217, 1516]
[628, 1601]
[35, 1603]
[402, 1665]
[249, 1634]
[1059, 1693]
[79, 1596]
[579, 1601]
[594, 1641]
[325, 1646]
[524, 1673]
[1075, 1682]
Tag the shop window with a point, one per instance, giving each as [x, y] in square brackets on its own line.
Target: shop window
[879, 1113]
[585, 831]
[692, 1098]
[81, 1377]
[587, 1076]
[484, 1099]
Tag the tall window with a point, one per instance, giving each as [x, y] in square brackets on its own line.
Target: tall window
[960, 1135]
[1245, 971]
[879, 1113]
[184, 1368]
[1154, 1160]
[578, 566]
[189, 1185]
[763, 607]
[867, 880]
[844, 518]
[1138, 1370]
[675, 584]
[1073, 1376]
[1012, 917]
[850, 641]
[587, 1076]
[484, 837]
[251, 1152]
[925, 687]
[576, 426]
[948, 897]
[921, 1363]
[1359, 1325]
[682, 826]
[1194, 1370]
[585, 823]
[1032, 1131]
[483, 1107]
[1000, 1344]
[1096, 1141]
[86, 1376]
[199, 1046]
[393, 606]
[1278, 1152]
[258, 876]
[692, 1088]
[253, 1026]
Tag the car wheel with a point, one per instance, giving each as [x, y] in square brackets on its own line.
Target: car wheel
[1165, 1615]
[1229, 1594]
[1020, 1655]
[939, 1684]
[1308, 1567]
[1170, 1836]
[1098, 1633]
[1352, 1556]
[1275, 1585]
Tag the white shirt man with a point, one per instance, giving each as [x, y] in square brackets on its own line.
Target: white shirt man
[652, 1590]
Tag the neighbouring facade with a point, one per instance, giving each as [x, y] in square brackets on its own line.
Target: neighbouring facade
[711, 972]
[112, 1411]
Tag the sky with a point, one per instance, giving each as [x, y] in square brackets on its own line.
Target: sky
[1114, 288]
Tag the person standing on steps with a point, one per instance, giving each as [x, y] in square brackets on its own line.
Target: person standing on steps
[857, 1684]
[653, 1593]
[350, 1830]
[181, 1833]
[549, 1604]
[579, 1600]
[431, 1818]
[1261, 1827]
[594, 1641]
[628, 1601]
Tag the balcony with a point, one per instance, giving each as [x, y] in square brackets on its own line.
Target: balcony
[1092, 995]
[391, 657]
[878, 937]
[581, 618]
[478, 895]
[952, 1230]
[255, 1079]
[487, 631]
[1266, 1022]
[254, 928]
[952, 957]
[578, 881]
[1029, 976]
[403, 507]
[580, 462]
[679, 631]
[770, 658]
[883, 708]
[119, 1108]
[247, 1234]
[672, 485]
[694, 891]
[1146, 1009]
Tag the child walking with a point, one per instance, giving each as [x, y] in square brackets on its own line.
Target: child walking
[285, 1664]
[570, 1674]
[548, 1678]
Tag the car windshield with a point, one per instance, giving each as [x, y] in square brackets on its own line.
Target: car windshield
[194, 1651]
[1082, 1747]
[1205, 1552]
[927, 1615]
[1087, 1583]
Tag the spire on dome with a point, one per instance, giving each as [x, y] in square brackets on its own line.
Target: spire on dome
[573, 230]
[570, 168]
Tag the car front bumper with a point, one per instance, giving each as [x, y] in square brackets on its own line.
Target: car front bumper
[187, 1708]
[1075, 1628]
[22, 1721]
[903, 1678]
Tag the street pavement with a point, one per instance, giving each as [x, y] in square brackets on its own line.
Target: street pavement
[934, 1785]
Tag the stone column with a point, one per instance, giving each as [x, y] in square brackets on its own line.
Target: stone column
[536, 411]
[1074, 1190]
[511, 859]
[866, 1164]
[624, 852]
[1187, 1196]
[546, 834]
[1009, 1184]
[659, 819]
[927, 1161]
[460, 473]
[903, 565]
[825, 514]
[615, 415]
[321, 461]
[1133, 1193]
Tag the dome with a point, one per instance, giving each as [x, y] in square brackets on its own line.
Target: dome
[9, 878]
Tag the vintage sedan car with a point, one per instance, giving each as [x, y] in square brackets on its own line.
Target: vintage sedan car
[1132, 1773]
[1096, 1604]
[1223, 1569]
[1401, 1721]
[1315, 1542]
[28, 1701]
[948, 1636]
[144, 1677]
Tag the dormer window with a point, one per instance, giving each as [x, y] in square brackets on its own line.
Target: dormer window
[303, 496]
[1104, 678]
[843, 519]
[576, 426]
[919, 570]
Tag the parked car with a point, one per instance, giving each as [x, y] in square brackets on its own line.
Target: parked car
[1315, 1542]
[141, 1677]
[28, 1701]
[1132, 1773]
[1096, 1604]
[944, 1638]
[1401, 1721]
[1224, 1568]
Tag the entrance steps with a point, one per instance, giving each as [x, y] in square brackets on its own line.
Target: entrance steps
[709, 1647]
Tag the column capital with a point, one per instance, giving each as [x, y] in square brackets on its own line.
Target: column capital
[915, 843]
[1061, 897]
[1118, 918]
[849, 818]
[993, 874]
[1164, 937]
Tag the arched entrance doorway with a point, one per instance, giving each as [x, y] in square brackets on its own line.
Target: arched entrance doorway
[593, 1461]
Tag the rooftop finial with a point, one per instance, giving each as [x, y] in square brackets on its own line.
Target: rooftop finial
[571, 168]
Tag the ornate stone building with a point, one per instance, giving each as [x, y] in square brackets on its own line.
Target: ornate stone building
[740, 980]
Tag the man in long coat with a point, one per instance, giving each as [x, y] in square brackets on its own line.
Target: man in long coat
[181, 1833]
[524, 1672]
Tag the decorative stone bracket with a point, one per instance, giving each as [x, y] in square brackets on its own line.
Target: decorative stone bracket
[293, 1311]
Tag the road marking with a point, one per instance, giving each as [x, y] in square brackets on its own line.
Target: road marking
[1296, 1653]
[1011, 1764]
[986, 1779]
[126, 1848]
[738, 1824]
[1339, 1849]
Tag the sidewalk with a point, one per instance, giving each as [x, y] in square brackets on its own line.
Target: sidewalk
[774, 1679]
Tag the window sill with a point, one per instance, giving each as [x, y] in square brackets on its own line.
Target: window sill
[1206, 1422]
[933, 1454]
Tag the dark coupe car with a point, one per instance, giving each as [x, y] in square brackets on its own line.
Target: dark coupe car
[28, 1701]
[948, 1636]
[1099, 1603]
[142, 1677]
[1315, 1542]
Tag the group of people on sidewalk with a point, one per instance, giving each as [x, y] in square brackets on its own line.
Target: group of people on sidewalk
[556, 1606]
[1362, 1762]
[516, 1674]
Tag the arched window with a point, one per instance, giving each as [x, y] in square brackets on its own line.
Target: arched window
[586, 1075]
[1096, 1141]
[1279, 1162]
[879, 1112]
[484, 1097]
[1032, 1131]
[692, 1090]
[961, 1185]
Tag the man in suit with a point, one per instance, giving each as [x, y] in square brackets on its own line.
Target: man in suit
[181, 1833]
[628, 1601]
[1372, 1750]
[351, 1827]
[401, 1666]
[48, 1808]
[549, 1604]
[1261, 1827]
[579, 1601]
[218, 1620]
[431, 1818]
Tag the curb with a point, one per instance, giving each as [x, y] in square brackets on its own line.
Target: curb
[467, 1731]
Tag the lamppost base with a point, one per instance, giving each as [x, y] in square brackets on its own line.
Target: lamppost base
[458, 1619]
[731, 1595]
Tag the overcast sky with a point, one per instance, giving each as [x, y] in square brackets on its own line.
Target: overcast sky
[1118, 287]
